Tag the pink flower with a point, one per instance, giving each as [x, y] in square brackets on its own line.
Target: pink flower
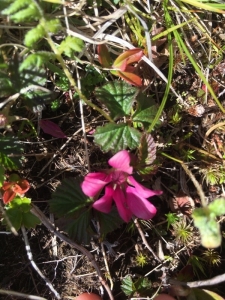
[120, 186]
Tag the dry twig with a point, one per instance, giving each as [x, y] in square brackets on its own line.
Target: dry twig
[38, 213]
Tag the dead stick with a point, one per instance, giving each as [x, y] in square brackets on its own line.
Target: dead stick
[213, 281]
[144, 239]
[38, 213]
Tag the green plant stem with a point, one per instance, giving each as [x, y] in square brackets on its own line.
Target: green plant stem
[66, 71]
[182, 45]
[170, 75]
[171, 157]
[72, 81]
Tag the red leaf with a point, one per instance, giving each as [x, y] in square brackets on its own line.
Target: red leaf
[8, 196]
[51, 128]
[21, 187]
[131, 78]
[128, 57]
[104, 56]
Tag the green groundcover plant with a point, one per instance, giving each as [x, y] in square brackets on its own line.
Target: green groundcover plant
[110, 196]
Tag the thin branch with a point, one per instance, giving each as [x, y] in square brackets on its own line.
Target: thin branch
[196, 184]
[144, 239]
[30, 257]
[213, 281]
[20, 295]
[38, 213]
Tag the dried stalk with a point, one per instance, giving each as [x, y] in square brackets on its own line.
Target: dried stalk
[38, 213]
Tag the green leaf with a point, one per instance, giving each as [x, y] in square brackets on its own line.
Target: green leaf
[210, 235]
[143, 286]
[52, 26]
[70, 45]
[217, 207]
[68, 198]
[8, 146]
[15, 216]
[109, 222]
[209, 229]
[128, 286]
[33, 35]
[4, 4]
[37, 59]
[22, 204]
[79, 229]
[29, 220]
[199, 294]
[18, 212]
[2, 173]
[146, 110]
[15, 6]
[118, 96]
[147, 150]
[29, 13]
[117, 137]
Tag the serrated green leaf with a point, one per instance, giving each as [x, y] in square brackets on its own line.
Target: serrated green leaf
[27, 14]
[37, 59]
[109, 222]
[52, 26]
[117, 137]
[15, 6]
[29, 220]
[217, 207]
[70, 45]
[145, 115]
[68, 198]
[33, 35]
[79, 229]
[18, 212]
[22, 204]
[147, 150]
[127, 286]
[15, 216]
[118, 96]
[141, 284]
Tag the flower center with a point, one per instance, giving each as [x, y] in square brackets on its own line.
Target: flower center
[119, 177]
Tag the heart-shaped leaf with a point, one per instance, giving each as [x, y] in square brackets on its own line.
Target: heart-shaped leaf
[117, 137]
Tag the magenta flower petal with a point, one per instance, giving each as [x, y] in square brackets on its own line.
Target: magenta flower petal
[121, 161]
[121, 203]
[139, 206]
[94, 182]
[104, 204]
[51, 128]
[141, 190]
